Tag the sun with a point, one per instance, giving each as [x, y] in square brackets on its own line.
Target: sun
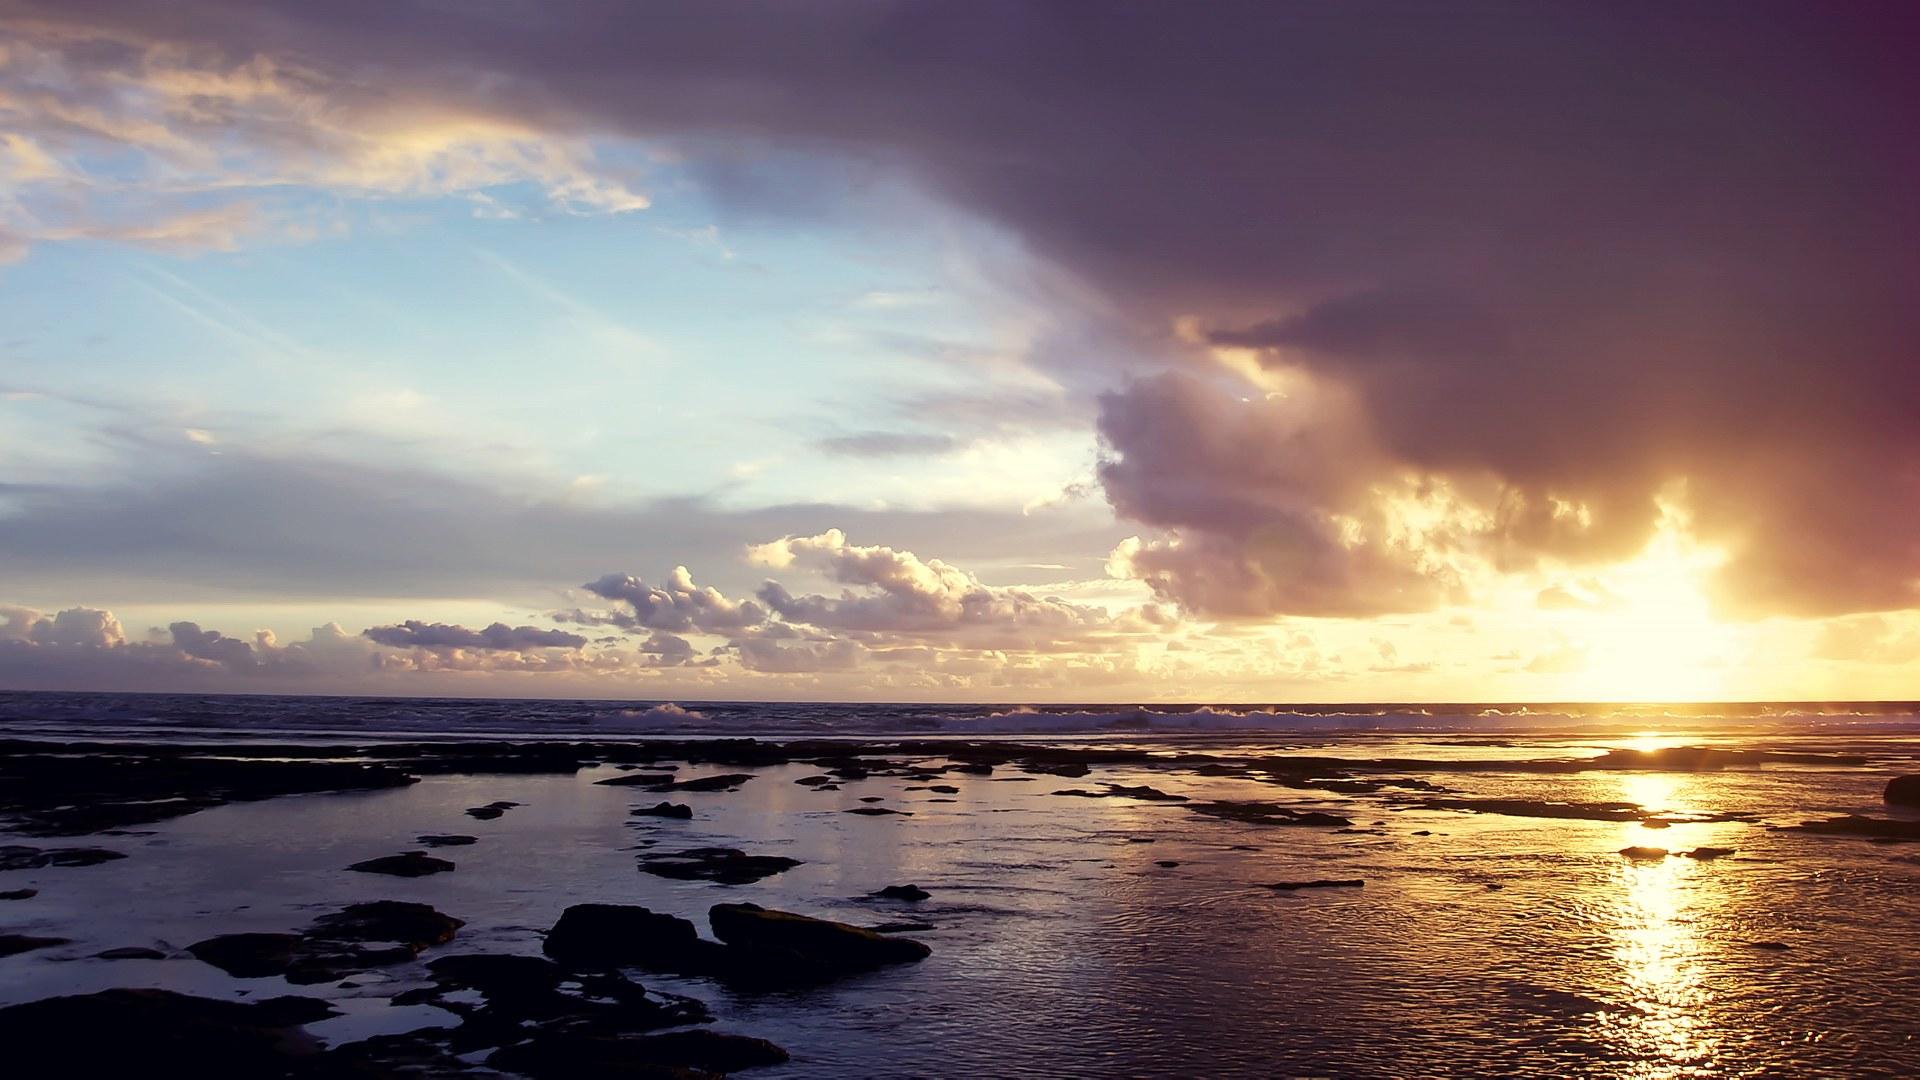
[1647, 632]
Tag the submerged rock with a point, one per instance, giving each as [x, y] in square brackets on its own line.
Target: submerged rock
[637, 780]
[943, 789]
[157, 1033]
[1266, 813]
[688, 1054]
[720, 782]
[15, 944]
[1537, 808]
[1645, 854]
[611, 935]
[19, 894]
[835, 946]
[447, 840]
[814, 781]
[22, 857]
[680, 811]
[491, 810]
[1858, 825]
[1706, 852]
[878, 811]
[1319, 883]
[346, 942]
[130, 952]
[728, 866]
[909, 893]
[1903, 791]
[405, 864]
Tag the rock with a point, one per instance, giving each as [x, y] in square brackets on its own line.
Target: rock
[610, 935]
[1646, 854]
[681, 1054]
[15, 944]
[405, 864]
[814, 781]
[346, 942]
[21, 857]
[901, 927]
[437, 840]
[1706, 852]
[130, 952]
[878, 811]
[909, 893]
[19, 894]
[720, 782]
[1655, 823]
[835, 946]
[1321, 883]
[248, 956]
[680, 811]
[1072, 770]
[1903, 791]
[972, 768]
[1149, 794]
[1266, 813]
[1537, 808]
[1167, 863]
[157, 1033]
[637, 780]
[728, 866]
[944, 789]
[1773, 946]
[873, 798]
[1858, 825]
[491, 810]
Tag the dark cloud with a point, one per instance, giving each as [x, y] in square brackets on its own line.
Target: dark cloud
[1565, 256]
[497, 637]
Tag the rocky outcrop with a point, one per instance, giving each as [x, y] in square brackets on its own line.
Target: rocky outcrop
[352, 940]
[836, 946]
[727, 866]
[678, 811]
[157, 1033]
[1903, 791]
[405, 864]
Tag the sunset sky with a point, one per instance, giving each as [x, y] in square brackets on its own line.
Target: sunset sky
[971, 350]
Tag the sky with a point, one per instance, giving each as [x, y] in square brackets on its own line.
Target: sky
[1049, 351]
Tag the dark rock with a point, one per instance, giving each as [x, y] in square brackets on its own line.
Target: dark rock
[1072, 770]
[436, 840]
[1774, 946]
[1266, 813]
[346, 942]
[1706, 852]
[720, 782]
[15, 944]
[727, 866]
[406, 864]
[972, 768]
[1857, 825]
[157, 1033]
[21, 857]
[1644, 853]
[878, 811]
[19, 894]
[909, 893]
[1167, 863]
[814, 781]
[1536, 808]
[872, 798]
[903, 927]
[637, 780]
[680, 811]
[130, 952]
[1903, 791]
[833, 945]
[1321, 883]
[485, 813]
[944, 789]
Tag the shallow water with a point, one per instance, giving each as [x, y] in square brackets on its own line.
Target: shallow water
[1061, 948]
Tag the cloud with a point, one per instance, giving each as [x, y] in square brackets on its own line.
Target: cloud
[498, 637]
[877, 444]
[678, 605]
[1554, 261]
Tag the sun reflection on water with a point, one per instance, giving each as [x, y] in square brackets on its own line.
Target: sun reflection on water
[1660, 1031]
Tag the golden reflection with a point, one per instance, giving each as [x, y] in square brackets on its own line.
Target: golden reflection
[1660, 1031]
